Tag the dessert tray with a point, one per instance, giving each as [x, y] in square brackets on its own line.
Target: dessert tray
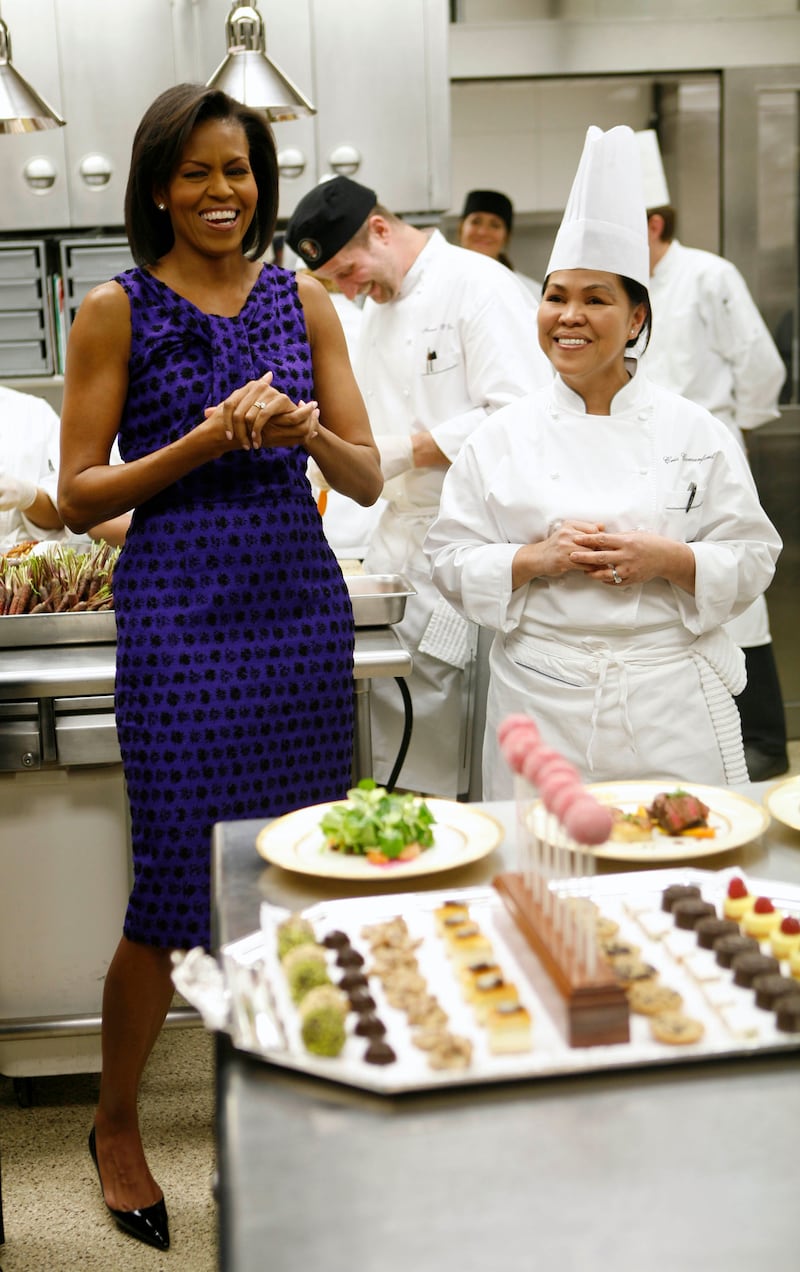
[246, 994]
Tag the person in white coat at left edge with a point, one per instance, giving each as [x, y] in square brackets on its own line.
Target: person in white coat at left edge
[605, 527]
[447, 338]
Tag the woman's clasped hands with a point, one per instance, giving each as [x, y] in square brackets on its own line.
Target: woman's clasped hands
[258, 415]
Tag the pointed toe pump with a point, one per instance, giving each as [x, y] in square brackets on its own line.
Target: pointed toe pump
[150, 1224]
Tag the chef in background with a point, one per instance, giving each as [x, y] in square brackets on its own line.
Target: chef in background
[348, 526]
[604, 526]
[447, 337]
[487, 219]
[29, 440]
[710, 344]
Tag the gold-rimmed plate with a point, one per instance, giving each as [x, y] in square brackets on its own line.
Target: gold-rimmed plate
[783, 801]
[461, 835]
[735, 819]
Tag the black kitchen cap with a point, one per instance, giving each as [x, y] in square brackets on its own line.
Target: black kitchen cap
[489, 201]
[327, 217]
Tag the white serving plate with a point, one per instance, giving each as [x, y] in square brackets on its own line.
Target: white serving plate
[461, 834]
[736, 820]
[268, 1026]
[783, 801]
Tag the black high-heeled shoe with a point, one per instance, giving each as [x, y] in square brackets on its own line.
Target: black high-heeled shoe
[149, 1224]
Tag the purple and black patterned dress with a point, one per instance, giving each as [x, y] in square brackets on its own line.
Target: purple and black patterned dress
[234, 624]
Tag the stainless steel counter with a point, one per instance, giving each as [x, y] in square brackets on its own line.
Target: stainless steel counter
[690, 1167]
[61, 670]
[87, 670]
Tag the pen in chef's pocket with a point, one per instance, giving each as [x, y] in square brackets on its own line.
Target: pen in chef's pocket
[430, 358]
[692, 493]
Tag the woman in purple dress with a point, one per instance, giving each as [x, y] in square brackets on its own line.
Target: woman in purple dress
[234, 627]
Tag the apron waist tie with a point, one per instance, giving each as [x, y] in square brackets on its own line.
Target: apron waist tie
[608, 660]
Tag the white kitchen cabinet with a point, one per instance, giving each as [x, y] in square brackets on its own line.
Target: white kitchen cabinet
[34, 54]
[382, 88]
[376, 71]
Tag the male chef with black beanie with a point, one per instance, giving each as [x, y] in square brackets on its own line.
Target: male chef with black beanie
[447, 337]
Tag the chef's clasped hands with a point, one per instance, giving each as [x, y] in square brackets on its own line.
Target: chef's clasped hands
[257, 415]
[635, 556]
[612, 559]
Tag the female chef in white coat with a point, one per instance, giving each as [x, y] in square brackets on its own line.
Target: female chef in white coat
[604, 527]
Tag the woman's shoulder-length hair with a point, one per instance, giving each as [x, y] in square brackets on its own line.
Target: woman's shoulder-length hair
[159, 142]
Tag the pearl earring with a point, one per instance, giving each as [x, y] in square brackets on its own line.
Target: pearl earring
[161, 207]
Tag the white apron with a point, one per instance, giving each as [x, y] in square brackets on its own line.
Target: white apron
[661, 708]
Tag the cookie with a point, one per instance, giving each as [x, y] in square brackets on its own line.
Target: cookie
[676, 1029]
[605, 927]
[648, 998]
[629, 969]
[613, 947]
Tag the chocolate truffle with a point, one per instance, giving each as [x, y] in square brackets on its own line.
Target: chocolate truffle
[688, 912]
[379, 1052]
[787, 1013]
[747, 966]
[678, 892]
[727, 947]
[336, 940]
[370, 1027]
[711, 929]
[771, 987]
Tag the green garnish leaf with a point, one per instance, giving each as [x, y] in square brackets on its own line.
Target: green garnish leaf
[371, 818]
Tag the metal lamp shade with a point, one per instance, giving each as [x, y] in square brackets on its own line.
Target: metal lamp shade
[248, 75]
[22, 110]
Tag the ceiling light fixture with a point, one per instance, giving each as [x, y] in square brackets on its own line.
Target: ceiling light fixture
[22, 110]
[250, 76]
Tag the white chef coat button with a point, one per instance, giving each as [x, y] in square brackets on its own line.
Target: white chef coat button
[643, 415]
[554, 476]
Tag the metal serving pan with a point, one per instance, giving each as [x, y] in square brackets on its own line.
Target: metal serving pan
[20, 631]
[378, 599]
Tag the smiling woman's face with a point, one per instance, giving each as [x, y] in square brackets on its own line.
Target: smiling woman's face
[212, 196]
[585, 320]
[484, 232]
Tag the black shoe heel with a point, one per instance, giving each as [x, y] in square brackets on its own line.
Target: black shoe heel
[149, 1224]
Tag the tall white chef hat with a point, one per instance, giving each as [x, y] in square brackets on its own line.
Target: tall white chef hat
[656, 190]
[605, 223]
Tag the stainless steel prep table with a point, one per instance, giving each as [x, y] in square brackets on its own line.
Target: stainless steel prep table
[72, 670]
[688, 1167]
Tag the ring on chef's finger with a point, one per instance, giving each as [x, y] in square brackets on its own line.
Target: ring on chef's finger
[262, 406]
[616, 577]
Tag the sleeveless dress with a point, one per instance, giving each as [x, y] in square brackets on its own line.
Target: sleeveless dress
[234, 674]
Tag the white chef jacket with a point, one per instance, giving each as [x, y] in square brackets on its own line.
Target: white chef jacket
[29, 441]
[627, 681]
[710, 344]
[458, 342]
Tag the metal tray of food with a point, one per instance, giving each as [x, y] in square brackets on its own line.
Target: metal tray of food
[263, 1020]
[21, 631]
[378, 599]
